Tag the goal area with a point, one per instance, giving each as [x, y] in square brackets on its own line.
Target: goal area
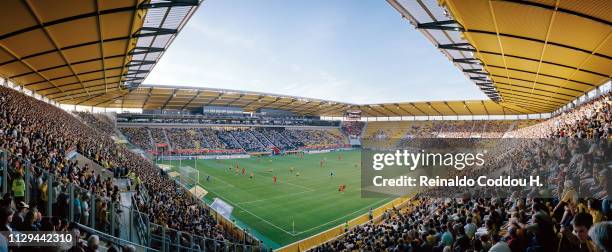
[189, 176]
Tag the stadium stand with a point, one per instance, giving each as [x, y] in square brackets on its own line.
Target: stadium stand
[98, 122]
[508, 224]
[262, 138]
[387, 130]
[352, 128]
[233, 139]
[184, 138]
[223, 118]
[591, 120]
[139, 137]
[313, 139]
[405, 130]
[247, 140]
[458, 129]
[525, 123]
[278, 139]
[159, 136]
[63, 171]
[23, 133]
[210, 139]
[38, 137]
[493, 129]
[228, 139]
[419, 129]
[418, 227]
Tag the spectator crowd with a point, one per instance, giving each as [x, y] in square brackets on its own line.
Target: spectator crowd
[40, 137]
[572, 213]
[245, 139]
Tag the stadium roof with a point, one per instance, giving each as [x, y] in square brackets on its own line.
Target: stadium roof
[538, 55]
[442, 108]
[80, 50]
[154, 97]
[526, 56]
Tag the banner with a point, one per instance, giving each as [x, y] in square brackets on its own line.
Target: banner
[222, 208]
[174, 158]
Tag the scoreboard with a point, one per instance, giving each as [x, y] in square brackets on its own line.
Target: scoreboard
[353, 115]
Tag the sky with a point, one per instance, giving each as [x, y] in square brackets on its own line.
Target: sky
[359, 52]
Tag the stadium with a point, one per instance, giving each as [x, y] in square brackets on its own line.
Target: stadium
[93, 153]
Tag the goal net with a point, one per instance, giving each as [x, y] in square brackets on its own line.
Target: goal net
[189, 176]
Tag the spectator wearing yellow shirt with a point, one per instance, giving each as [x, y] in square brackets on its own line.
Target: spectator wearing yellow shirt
[19, 188]
[594, 207]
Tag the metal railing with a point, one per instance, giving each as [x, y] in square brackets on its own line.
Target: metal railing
[141, 226]
[52, 196]
[112, 240]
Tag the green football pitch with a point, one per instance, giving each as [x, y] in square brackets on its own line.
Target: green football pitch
[294, 208]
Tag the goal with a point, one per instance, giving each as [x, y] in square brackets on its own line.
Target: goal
[189, 176]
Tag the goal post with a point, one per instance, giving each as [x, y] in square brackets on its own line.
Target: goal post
[189, 176]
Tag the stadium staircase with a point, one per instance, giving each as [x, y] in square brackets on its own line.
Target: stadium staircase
[236, 140]
[134, 228]
[510, 129]
[287, 139]
[112, 117]
[119, 134]
[363, 130]
[472, 131]
[150, 137]
[129, 232]
[256, 139]
[98, 169]
[167, 140]
[268, 139]
[441, 130]
[201, 137]
[484, 128]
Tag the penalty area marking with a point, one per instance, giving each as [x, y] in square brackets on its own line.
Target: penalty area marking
[249, 212]
[270, 223]
[282, 229]
[277, 197]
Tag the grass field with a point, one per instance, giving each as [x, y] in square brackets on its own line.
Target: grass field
[296, 207]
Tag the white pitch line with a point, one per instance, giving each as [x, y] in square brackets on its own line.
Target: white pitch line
[276, 197]
[375, 203]
[282, 229]
[221, 187]
[277, 227]
[215, 177]
[262, 219]
[303, 187]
